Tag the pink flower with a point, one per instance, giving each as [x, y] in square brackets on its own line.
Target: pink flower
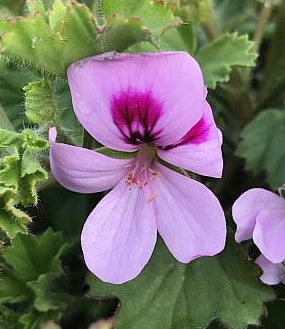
[154, 104]
[260, 214]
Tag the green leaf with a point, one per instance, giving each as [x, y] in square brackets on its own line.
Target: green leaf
[170, 295]
[39, 103]
[35, 319]
[32, 272]
[8, 319]
[219, 57]
[69, 32]
[30, 256]
[261, 146]
[47, 289]
[154, 15]
[21, 170]
[12, 219]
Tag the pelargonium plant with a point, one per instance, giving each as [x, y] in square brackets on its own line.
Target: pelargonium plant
[141, 163]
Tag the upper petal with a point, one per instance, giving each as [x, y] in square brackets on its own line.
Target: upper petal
[189, 217]
[173, 81]
[82, 170]
[119, 236]
[247, 207]
[200, 149]
[272, 273]
[269, 233]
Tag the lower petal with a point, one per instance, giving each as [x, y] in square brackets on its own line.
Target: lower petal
[82, 170]
[272, 273]
[247, 207]
[189, 217]
[269, 234]
[119, 235]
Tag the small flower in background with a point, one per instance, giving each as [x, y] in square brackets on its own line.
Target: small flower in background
[154, 104]
[260, 214]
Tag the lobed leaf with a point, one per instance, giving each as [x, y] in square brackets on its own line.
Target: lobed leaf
[261, 146]
[219, 57]
[168, 294]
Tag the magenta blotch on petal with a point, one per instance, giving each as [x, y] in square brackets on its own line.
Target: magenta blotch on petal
[153, 103]
[199, 150]
[172, 79]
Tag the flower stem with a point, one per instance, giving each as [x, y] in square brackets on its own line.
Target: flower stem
[261, 23]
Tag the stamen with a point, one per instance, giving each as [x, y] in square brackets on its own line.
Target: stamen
[150, 198]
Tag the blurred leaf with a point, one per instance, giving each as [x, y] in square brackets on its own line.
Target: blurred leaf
[168, 294]
[276, 315]
[219, 57]
[8, 319]
[12, 82]
[273, 82]
[261, 146]
[35, 319]
[32, 272]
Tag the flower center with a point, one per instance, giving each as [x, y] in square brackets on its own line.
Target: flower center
[136, 113]
[140, 171]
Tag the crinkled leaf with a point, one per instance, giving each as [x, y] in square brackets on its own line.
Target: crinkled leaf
[12, 219]
[70, 33]
[20, 169]
[219, 57]
[261, 146]
[168, 294]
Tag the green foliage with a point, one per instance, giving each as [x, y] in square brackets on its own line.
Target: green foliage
[218, 57]
[168, 294]
[12, 219]
[8, 319]
[19, 173]
[260, 146]
[39, 104]
[69, 32]
[32, 272]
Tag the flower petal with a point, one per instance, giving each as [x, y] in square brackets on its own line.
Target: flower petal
[269, 233]
[247, 207]
[82, 170]
[189, 217]
[174, 80]
[119, 236]
[272, 273]
[200, 149]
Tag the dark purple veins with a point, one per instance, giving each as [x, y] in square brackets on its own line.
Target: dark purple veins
[136, 113]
